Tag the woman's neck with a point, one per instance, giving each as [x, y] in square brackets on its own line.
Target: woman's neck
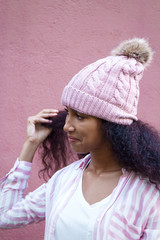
[104, 160]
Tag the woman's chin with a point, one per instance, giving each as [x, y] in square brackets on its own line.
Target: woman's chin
[79, 150]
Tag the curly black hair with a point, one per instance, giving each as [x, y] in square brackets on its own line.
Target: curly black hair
[136, 146]
[55, 148]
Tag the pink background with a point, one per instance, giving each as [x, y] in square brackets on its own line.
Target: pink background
[43, 44]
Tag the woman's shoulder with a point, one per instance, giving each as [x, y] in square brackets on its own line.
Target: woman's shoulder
[143, 187]
[65, 176]
[72, 169]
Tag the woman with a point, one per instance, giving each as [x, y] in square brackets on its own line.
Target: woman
[111, 193]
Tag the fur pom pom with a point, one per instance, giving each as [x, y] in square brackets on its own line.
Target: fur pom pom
[137, 48]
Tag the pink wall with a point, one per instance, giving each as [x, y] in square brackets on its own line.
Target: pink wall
[43, 44]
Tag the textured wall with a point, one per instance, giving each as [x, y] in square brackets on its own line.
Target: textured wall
[43, 44]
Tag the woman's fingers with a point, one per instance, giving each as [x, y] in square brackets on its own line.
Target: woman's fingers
[42, 116]
[47, 115]
[49, 111]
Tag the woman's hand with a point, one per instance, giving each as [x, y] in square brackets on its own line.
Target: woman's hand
[36, 133]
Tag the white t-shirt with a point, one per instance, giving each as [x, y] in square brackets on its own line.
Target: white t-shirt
[77, 220]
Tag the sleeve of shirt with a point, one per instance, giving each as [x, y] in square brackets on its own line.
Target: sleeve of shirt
[15, 209]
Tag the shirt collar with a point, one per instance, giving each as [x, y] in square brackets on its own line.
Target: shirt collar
[84, 162]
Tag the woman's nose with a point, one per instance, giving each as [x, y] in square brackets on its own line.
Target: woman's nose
[68, 126]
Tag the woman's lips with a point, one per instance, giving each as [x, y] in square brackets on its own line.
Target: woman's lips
[72, 139]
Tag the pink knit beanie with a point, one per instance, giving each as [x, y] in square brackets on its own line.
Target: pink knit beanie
[109, 88]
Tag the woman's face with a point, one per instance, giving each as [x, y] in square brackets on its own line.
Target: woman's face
[84, 132]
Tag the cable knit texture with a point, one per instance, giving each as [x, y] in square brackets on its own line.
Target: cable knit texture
[108, 88]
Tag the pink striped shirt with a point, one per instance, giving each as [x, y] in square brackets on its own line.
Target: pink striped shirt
[133, 211]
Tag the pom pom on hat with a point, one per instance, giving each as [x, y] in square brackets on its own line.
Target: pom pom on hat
[109, 88]
[137, 48]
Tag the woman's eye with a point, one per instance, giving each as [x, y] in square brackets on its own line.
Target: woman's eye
[66, 110]
[79, 117]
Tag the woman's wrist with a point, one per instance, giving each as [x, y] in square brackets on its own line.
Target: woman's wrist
[28, 150]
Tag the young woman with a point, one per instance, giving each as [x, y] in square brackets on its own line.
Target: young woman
[114, 191]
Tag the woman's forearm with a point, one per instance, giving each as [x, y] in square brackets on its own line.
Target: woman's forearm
[28, 150]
